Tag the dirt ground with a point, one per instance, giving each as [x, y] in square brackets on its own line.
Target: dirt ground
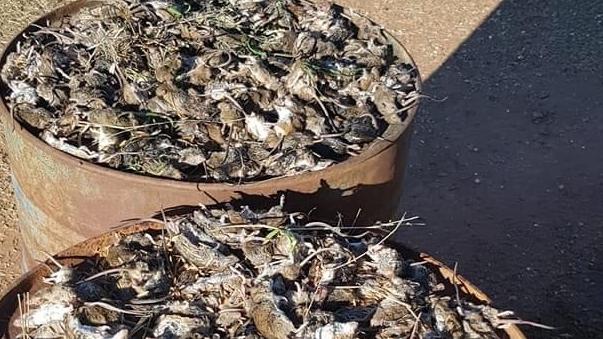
[506, 165]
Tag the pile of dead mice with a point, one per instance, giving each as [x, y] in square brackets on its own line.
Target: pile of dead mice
[223, 273]
[210, 91]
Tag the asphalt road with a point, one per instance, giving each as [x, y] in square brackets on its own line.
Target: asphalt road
[508, 170]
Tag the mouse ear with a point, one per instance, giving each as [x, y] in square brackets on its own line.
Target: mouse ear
[172, 227]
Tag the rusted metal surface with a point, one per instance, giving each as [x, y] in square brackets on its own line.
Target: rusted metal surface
[32, 281]
[63, 200]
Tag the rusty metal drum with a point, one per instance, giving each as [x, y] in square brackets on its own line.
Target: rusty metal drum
[63, 200]
[32, 280]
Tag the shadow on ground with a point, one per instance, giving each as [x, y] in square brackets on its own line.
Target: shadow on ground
[508, 171]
